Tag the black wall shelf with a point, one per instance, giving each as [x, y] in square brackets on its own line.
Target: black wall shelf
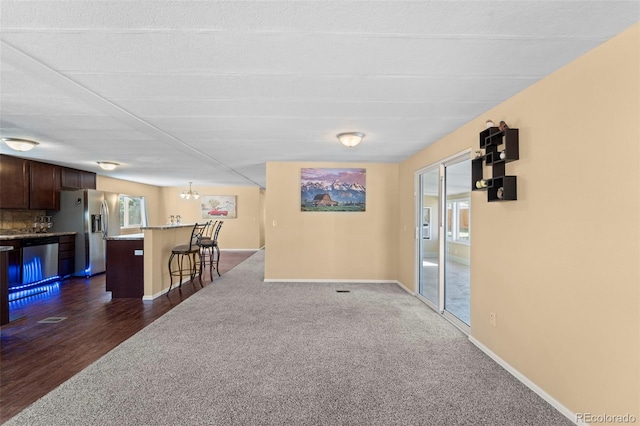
[500, 147]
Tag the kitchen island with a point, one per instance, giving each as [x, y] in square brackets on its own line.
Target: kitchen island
[137, 263]
[125, 266]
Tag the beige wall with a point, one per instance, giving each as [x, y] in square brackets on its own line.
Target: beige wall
[559, 266]
[331, 246]
[243, 232]
[262, 217]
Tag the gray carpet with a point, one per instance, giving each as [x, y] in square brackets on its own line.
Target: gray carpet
[244, 352]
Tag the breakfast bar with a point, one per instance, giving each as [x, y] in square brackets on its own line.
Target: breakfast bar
[137, 263]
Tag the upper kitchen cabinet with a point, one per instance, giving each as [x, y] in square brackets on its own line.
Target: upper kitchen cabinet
[14, 181]
[87, 180]
[77, 179]
[45, 186]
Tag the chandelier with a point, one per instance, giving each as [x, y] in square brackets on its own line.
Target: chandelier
[189, 194]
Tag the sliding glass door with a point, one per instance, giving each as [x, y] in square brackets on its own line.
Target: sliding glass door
[429, 238]
[457, 289]
[444, 231]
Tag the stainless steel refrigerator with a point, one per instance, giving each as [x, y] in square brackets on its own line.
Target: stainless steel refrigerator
[94, 215]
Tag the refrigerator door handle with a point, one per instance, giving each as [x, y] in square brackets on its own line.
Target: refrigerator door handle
[104, 212]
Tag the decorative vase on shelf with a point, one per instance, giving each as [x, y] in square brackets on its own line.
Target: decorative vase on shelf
[500, 193]
[503, 155]
[482, 183]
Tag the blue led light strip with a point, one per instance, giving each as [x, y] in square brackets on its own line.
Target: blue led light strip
[33, 284]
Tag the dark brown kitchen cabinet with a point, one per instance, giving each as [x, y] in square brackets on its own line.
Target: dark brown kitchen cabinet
[45, 186]
[77, 179]
[4, 288]
[15, 261]
[14, 182]
[87, 180]
[66, 255]
[69, 178]
[125, 268]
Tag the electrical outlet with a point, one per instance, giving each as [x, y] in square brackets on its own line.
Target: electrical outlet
[492, 318]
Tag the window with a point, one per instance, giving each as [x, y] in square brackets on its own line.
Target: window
[426, 223]
[132, 212]
[458, 228]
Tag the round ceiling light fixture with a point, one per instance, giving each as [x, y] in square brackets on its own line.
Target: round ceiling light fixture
[350, 139]
[20, 144]
[108, 165]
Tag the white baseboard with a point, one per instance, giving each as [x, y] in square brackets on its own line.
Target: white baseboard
[166, 290]
[528, 383]
[312, 281]
[308, 281]
[402, 286]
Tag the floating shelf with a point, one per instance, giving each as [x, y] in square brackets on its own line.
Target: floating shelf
[501, 147]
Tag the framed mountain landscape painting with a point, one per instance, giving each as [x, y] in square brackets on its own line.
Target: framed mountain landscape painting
[333, 190]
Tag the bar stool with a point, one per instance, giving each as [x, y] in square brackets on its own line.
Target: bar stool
[187, 251]
[207, 235]
[210, 252]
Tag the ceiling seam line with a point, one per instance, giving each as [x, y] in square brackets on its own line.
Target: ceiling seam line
[31, 62]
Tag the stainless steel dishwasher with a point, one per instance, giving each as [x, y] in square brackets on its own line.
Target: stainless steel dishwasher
[39, 260]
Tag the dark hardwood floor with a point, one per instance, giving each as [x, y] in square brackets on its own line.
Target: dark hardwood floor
[36, 357]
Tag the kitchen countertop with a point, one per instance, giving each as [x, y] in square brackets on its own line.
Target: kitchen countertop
[12, 236]
[139, 236]
[182, 225]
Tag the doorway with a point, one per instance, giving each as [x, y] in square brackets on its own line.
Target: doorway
[444, 238]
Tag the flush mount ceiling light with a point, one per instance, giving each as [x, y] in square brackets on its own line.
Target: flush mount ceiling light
[108, 165]
[187, 195]
[350, 138]
[20, 144]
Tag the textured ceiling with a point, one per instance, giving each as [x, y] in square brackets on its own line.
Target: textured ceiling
[209, 91]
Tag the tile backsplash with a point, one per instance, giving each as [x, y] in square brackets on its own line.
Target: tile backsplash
[18, 219]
